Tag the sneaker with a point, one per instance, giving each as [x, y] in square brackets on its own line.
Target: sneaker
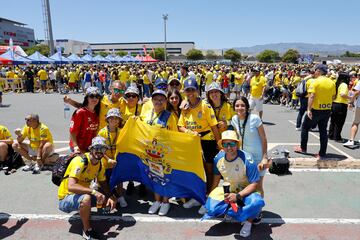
[191, 203]
[28, 168]
[36, 169]
[246, 229]
[349, 143]
[202, 210]
[90, 234]
[298, 129]
[154, 207]
[257, 220]
[164, 209]
[121, 200]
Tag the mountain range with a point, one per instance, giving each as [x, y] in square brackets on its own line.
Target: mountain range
[305, 48]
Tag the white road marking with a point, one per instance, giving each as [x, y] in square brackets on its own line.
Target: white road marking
[157, 219]
[329, 144]
[325, 170]
[64, 149]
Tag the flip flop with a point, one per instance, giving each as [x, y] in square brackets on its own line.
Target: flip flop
[298, 149]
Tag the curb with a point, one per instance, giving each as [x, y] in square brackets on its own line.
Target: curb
[325, 164]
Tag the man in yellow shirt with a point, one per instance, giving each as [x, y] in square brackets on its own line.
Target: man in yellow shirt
[75, 193]
[43, 77]
[40, 151]
[257, 87]
[322, 92]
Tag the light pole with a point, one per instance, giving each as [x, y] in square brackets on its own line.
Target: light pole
[165, 17]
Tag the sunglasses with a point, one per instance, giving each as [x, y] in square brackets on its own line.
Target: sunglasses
[229, 144]
[121, 91]
[175, 84]
[131, 96]
[94, 96]
[27, 119]
[99, 149]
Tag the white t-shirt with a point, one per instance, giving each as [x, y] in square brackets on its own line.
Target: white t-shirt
[357, 88]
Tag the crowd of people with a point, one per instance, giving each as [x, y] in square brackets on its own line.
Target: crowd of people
[223, 105]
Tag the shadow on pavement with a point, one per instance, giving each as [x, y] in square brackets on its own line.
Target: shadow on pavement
[6, 230]
[104, 228]
[269, 123]
[262, 231]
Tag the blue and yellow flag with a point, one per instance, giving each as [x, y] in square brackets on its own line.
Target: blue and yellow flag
[169, 163]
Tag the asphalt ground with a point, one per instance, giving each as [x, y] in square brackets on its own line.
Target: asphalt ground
[309, 204]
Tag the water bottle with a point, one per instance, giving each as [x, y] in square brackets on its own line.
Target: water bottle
[66, 111]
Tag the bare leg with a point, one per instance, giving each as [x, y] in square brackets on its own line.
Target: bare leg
[3, 151]
[85, 210]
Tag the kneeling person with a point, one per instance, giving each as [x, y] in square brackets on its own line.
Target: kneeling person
[75, 193]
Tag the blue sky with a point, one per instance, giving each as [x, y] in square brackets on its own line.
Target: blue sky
[210, 24]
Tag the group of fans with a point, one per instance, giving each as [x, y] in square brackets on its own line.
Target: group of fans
[189, 99]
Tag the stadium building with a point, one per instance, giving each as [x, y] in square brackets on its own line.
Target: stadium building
[21, 35]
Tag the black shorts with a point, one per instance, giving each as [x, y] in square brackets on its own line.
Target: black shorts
[209, 150]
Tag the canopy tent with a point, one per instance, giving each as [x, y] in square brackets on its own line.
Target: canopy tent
[4, 61]
[16, 49]
[129, 58]
[100, 59]
[59, 59]
[111, 58]
[148, 58]
[38, 58]
[118, 58]
[88, 59]
[75, 58]
[15, 58]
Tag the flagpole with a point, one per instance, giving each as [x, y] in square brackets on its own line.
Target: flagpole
[165, 17]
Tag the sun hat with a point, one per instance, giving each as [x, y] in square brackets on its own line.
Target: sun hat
[113, 112]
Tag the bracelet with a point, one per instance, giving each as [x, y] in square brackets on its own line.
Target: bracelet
[93, 192]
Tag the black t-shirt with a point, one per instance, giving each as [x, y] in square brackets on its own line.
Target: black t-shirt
[29, 75]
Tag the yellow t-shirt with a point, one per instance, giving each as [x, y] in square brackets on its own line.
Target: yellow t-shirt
[239, 78]
[72, 77]
[105, 105]
[342, 89]
[124, 76]
[295, 80]
[84, 178]
[199, 119]
[293, 93]
[41, 133]
[147, 106]
[324, 90]
[127, 112]
[10, 74]
[110, 142]
[257, 84]
[153, 119]
[132, 78]
[5, 133]
[42, 74]
[225, 113]
[146, 79]
[209, 76]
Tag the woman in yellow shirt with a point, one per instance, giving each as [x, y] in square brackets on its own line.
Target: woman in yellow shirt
[174, 101]
[339, 107]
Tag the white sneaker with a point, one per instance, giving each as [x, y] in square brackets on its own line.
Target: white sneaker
[121, 200]
[191, 203]
[28, 168]
[36, 169]
[164, 209]
[349, 143]
[298, 129]
[154, 207]
[246, 229]
[202, 210]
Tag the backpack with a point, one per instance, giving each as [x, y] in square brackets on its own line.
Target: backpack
[301, 89]
[62, 164]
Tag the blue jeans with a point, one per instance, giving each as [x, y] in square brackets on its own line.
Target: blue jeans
[302, 110]
[321, 118]
[72, 202]
[99, 86]
[146, 90]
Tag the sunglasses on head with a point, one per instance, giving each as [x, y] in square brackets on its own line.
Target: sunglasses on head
[94, 96]
[131, 96]
[229, 144]
[117, 90]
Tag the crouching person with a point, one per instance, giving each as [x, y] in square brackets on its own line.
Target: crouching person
[75, 193]
[240, 201]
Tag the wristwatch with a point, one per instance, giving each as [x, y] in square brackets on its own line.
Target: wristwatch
[238, 196]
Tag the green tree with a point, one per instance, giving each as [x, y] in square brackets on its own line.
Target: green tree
[350, 54]
[41, 48]
[233, 55]
[291, 56]
[121, 53]
[159, 54]
[103, 54]
[211, 55]
[268, 56]
[194, 54]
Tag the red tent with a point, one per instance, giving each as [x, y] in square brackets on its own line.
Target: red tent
[4, 61]
[148, 58]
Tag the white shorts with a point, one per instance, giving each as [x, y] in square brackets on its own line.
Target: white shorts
[237, 87]
[256, 104]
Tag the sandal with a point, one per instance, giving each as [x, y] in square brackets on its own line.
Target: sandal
[298, 149]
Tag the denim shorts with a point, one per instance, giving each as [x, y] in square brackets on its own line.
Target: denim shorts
[72, 202]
